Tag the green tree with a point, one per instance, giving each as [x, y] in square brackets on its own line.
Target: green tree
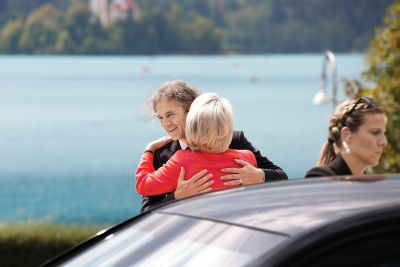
[82, 34]
[199, 35]
[40, 31]
[189, 32]
[384, 72]
[134, 36]
[192, 26]
[10, 35]
[170, 29]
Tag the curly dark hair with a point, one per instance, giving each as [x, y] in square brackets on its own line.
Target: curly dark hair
[183, 93]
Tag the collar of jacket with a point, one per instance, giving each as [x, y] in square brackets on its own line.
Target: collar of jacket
[175, 146]
[340, 166]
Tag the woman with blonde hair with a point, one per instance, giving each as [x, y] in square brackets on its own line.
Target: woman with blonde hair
[356, 139]
[208, 131]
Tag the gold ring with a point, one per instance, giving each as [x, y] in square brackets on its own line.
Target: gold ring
[240, 181]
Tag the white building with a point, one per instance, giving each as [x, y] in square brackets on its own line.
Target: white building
[100, 8]
[121, 9]
[108, 11]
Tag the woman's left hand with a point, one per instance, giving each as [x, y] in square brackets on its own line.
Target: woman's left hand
[246, 175]
[156, 144]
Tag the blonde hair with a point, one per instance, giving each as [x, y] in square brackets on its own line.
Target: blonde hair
[349, 114]
[209, 124]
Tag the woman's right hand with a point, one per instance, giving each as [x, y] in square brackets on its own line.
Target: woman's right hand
[199, 183]
[156, 144]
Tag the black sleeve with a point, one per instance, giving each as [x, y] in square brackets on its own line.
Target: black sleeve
[151, 202]
[319, 172]
[272, 171]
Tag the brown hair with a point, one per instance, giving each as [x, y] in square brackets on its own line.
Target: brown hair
[184, 94]
[349, 114]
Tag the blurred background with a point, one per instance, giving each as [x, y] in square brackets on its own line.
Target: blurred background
[75, 76]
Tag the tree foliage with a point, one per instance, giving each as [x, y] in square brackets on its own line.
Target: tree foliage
[170, 30]
[10, 35]
[39, 33]
[384, 73]
[194, 27]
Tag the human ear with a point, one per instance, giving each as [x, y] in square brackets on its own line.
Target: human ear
[345, 134]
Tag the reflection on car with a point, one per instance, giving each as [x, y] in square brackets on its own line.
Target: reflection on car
[338, 221]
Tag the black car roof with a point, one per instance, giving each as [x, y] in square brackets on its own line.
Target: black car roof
[295, 206]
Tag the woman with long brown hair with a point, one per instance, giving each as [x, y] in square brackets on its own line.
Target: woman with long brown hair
[356, 139]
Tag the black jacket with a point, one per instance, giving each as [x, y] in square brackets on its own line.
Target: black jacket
[336, 167]
[239, 141]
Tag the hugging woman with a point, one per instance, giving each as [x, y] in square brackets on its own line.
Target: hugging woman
[171, 104]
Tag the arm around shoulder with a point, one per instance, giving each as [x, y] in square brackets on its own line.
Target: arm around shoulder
[151, 182]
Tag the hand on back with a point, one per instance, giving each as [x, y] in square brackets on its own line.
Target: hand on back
[199, 183]
[246, 175]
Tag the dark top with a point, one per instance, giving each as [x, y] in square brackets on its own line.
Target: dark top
[336, 167]
[239, 141]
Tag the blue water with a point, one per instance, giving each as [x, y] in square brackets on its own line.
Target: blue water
[72, 128]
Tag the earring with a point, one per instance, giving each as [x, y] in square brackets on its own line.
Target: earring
[346, 148]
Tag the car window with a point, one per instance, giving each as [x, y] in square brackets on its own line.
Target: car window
[375, 244]
[366, 249]
[171, 240]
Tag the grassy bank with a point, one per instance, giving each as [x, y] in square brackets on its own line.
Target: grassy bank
[33, 243]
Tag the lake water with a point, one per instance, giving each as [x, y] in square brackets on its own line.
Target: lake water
[72, 129]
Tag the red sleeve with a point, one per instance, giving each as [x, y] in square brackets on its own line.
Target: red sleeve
[151, 182]
[253, 160]
[249, 157]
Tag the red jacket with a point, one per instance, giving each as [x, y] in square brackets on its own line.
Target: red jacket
[155, 182]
